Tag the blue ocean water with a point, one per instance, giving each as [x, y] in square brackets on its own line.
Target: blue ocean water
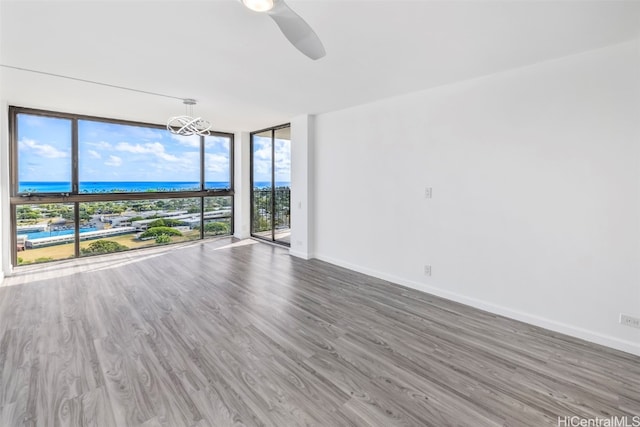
[128, 186]
[267, 184]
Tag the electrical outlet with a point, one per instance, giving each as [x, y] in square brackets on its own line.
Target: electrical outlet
[427, 270]
[427, 192]
[627, 320]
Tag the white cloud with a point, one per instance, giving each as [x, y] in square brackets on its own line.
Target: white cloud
[130, 148]
[188, 141]
[138, 132]
[94, 154]
[102, 145]
[262, 160]
[216, 163]
[113, 161]
[42, 150]
[219, 142]
[263, 153]
[154, 148]
[166, 156]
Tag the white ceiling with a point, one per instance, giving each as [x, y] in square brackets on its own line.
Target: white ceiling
[246, 76]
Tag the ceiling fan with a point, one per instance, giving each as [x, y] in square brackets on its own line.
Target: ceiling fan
[294, 28]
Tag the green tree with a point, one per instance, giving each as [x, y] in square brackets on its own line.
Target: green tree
[163, 238]
[25, 212]
[158, 231]
[103, 247]
[216, 228]
[157, 223]
[165, 222]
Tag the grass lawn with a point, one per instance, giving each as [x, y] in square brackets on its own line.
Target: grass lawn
[58, 252]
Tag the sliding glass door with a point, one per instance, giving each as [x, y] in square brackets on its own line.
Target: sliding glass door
[270, 183]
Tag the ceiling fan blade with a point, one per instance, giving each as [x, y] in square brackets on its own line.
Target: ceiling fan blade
[297, 31]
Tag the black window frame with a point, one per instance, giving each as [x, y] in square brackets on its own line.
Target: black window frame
[18, 199]
[253, 234]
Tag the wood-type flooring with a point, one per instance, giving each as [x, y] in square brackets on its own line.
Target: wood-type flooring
[227, 333]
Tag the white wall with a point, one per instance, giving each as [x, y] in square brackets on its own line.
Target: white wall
[242, 181]
[536, 192]
[302, 186]
[5, 254]
[3, 168]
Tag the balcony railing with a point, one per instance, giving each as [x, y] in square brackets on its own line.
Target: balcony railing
[266, 201]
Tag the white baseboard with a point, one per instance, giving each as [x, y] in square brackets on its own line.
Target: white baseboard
[298, 254]
[574, 331]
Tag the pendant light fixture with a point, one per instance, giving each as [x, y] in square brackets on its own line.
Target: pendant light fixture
[188, 125]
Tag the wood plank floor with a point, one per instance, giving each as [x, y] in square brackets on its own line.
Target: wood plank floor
[221, 334]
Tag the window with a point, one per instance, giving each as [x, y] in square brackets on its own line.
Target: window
[44, 154]
[270, 182]
[217, 164]
[123, 158]
[82, 186]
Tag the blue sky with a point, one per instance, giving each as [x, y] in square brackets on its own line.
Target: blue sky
[44, 148]
[262, 159]
[115, 152]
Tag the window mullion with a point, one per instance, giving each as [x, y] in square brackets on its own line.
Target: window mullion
[203, 185]
[75, 186]
[74, 157]
[273, 185]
